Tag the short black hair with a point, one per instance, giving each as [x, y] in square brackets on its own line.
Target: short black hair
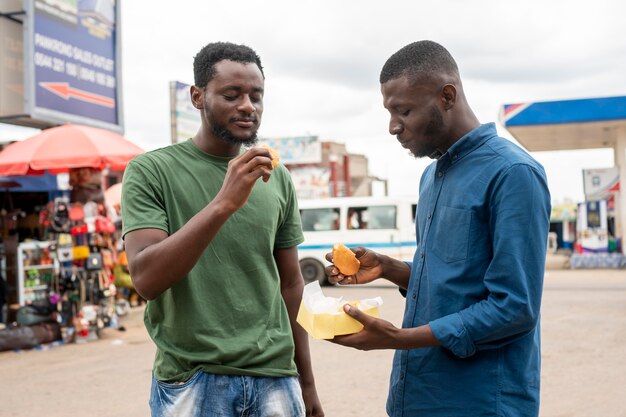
[419, 58]
[204, 62]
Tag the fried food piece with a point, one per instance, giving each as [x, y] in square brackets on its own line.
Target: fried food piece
[345, 260]
[275, 158]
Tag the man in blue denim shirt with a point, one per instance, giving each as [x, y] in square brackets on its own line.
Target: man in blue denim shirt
[469, 343]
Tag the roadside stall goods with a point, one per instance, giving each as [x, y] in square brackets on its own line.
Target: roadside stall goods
[66, 280]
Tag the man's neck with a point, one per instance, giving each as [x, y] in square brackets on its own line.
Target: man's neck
[209, 143]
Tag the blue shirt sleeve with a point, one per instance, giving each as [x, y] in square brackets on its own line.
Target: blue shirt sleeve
[403, 292]
[519, 210]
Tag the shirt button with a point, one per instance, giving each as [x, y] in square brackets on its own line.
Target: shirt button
[402, 375]
[454, 156]
[414, 296]
[440, 174]
[430, 215]
[422, 255]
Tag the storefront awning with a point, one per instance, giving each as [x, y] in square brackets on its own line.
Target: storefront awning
[23, 183]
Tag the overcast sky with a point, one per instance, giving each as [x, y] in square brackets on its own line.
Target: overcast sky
[322, 59]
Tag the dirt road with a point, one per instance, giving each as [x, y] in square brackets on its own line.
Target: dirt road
[583, 372]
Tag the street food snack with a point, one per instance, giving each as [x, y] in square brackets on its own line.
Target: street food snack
[345, 260]
[275, 158]
[324, 317]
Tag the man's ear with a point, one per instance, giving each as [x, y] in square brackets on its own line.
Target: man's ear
[448, 96]
[197, 97]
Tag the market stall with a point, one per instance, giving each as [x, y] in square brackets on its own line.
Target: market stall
[65, 270]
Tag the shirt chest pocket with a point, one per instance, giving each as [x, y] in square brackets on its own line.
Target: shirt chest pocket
[450, 233]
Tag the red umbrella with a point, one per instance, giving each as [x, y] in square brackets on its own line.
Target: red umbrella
[69, 146]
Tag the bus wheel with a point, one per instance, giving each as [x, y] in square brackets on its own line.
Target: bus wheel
[313, 270]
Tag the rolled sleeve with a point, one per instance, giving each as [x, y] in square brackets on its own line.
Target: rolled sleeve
[514, 278]
[452, 335]
[404, 292]
[481, 224]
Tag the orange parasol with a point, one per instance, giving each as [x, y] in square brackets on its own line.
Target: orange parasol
[69, 146]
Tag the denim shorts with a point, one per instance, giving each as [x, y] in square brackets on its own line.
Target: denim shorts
[213, 395]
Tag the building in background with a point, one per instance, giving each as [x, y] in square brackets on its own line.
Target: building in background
[576, 124]
[563, 225]
[324, 169]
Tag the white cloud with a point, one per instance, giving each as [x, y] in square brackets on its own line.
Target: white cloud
[322, 60]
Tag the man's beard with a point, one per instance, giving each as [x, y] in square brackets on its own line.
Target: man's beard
[433, 132]
[228, 137]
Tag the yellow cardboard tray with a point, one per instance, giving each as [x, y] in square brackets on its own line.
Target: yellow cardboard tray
[327, 326]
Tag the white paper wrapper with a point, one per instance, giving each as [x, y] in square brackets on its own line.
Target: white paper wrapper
[315, 301]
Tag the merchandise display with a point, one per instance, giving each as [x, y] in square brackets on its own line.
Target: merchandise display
[68, 273]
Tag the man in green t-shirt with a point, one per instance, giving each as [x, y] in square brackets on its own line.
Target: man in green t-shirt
[214, 250]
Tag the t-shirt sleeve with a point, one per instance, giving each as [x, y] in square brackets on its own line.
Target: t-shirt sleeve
[142, 200]
[289, 232]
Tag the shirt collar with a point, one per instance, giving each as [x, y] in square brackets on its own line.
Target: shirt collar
[471, 140]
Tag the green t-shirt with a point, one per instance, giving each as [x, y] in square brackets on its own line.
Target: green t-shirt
[227, 316]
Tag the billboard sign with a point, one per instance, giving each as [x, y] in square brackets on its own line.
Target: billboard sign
[311, 182]
[185, 118]
[600, 183]
[296, 149]
[11, 61]
[72, 62]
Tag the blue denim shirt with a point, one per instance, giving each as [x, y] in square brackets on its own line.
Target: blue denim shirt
[477, 277]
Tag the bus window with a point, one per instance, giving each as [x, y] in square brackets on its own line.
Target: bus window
[357, 218]
[372, 217]
[320, 219]
[382, 217]
[386, 224]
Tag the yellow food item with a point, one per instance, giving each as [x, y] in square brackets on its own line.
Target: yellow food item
[345, 260]
[275, 158]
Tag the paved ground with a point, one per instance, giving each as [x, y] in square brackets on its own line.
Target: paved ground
[584, 361]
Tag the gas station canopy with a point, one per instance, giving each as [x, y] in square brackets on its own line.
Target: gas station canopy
[572, 125]
[566, 125]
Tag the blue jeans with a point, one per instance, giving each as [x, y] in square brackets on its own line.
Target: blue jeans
[212, 395]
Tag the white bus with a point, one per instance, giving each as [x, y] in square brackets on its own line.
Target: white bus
[384, 224]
